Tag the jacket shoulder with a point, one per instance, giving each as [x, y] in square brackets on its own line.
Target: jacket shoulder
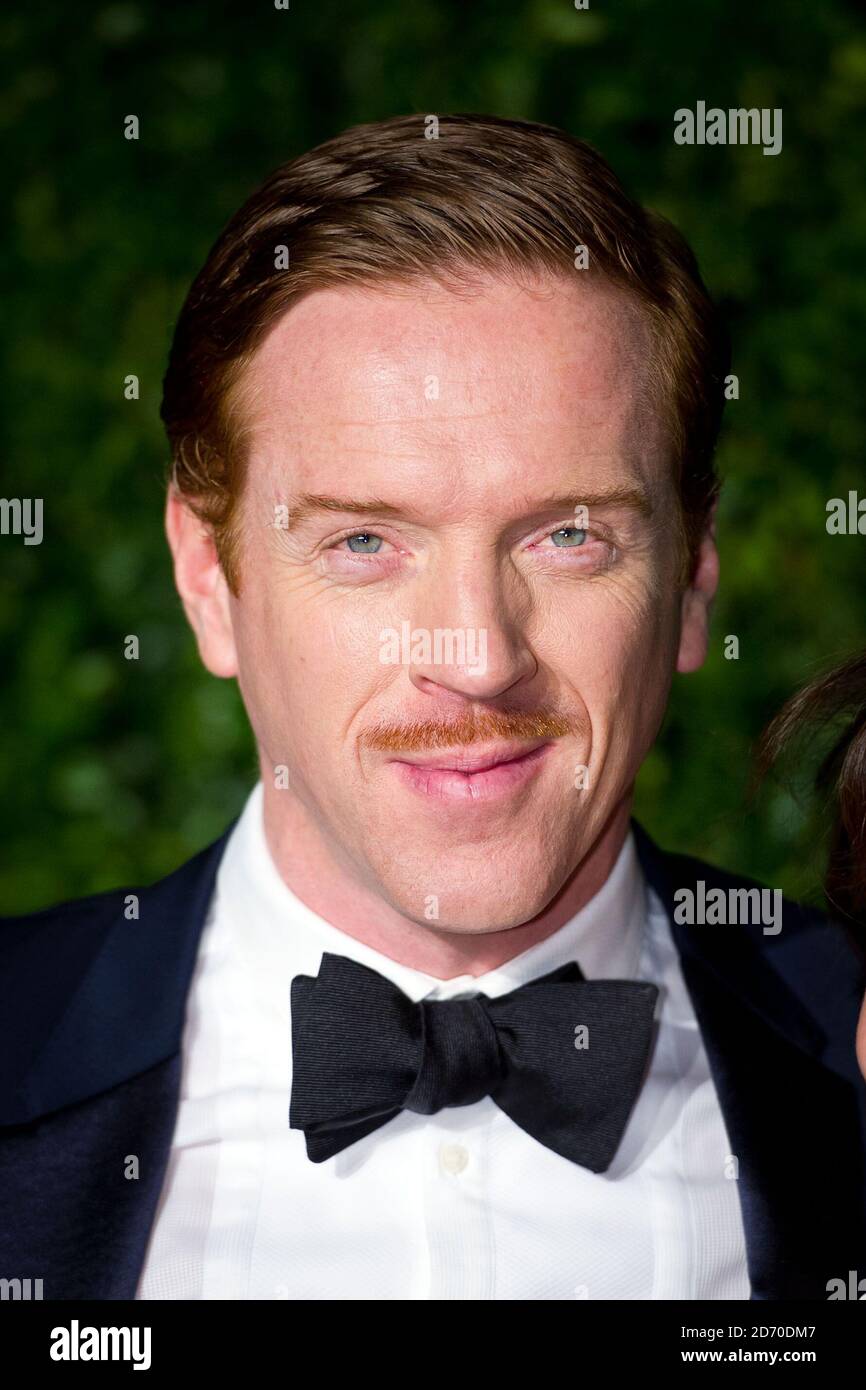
[806, 970]
[92, 990]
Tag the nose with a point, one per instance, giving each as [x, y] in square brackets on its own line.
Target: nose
[470, 636]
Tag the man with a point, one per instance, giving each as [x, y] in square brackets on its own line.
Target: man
[428, 1021]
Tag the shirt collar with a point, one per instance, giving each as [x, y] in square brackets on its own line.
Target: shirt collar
[278, 932]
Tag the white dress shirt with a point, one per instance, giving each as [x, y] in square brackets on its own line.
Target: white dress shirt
[458, 1205]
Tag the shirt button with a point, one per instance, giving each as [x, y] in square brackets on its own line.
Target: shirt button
[453, 1158]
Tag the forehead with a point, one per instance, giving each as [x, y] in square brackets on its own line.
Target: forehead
[448, 389]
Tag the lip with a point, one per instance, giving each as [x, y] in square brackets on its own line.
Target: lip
[480, 776]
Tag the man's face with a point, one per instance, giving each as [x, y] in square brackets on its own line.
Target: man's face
[467, 428]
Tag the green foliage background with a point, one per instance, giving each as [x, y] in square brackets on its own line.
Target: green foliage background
[113, 771]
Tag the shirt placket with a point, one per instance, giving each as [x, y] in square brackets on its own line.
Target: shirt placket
[459, 1222]
[232, 1232]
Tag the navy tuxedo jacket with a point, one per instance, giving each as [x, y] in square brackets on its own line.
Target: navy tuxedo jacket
[92, 1009]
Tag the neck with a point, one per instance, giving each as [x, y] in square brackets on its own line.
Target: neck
[334, 892]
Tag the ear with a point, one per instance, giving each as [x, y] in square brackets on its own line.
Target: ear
[697, 601]
[861, 1040]
[202, 585]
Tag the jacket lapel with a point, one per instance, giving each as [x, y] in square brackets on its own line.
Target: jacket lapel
[80, 1188]
[90, 1104]
[796, 1126]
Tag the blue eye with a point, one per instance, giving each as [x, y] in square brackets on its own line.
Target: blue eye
[576, 538]
[367, 539]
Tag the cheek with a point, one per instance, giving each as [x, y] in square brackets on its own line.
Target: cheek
[271, 664]
[619, 642]
[304, 670]
[260, 680]
[617, 658]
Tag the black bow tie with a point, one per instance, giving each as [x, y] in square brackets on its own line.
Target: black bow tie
[564, 1057]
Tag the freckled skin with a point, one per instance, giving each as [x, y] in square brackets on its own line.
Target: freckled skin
[465, 410]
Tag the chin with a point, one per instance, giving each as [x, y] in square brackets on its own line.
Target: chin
[468, 907]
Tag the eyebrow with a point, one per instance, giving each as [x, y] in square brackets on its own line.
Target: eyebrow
[309, 504]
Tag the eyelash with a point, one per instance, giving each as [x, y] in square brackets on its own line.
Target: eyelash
[589, 533]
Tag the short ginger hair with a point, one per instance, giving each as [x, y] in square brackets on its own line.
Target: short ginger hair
[384, 203]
